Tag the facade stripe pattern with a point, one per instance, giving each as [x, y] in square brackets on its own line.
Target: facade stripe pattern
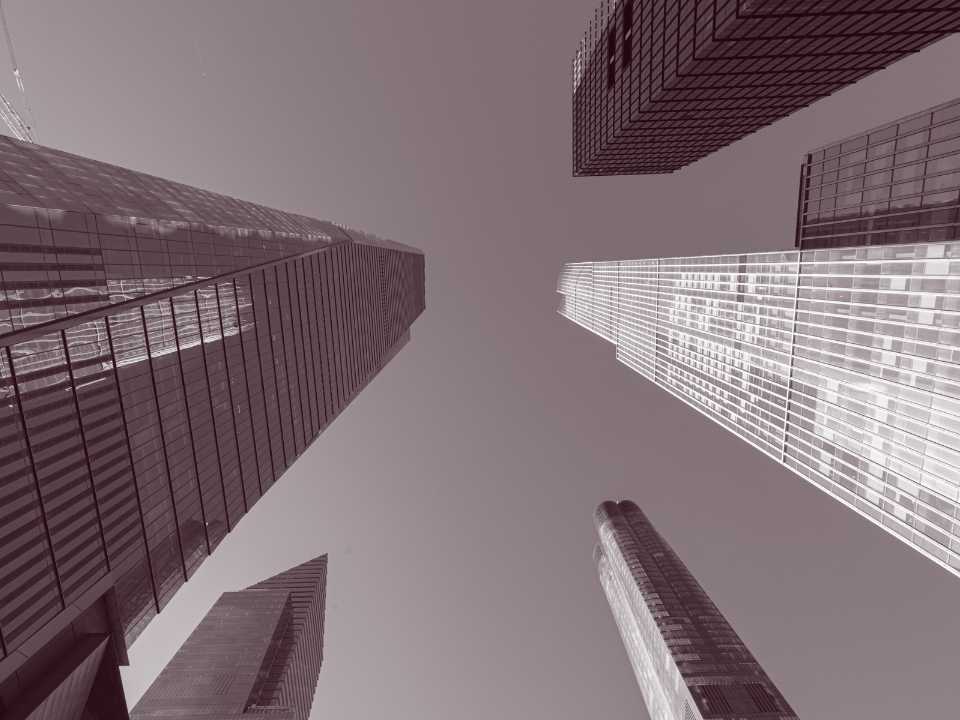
[688, 660]
[659, 84]
[225, 337]
[842, 364]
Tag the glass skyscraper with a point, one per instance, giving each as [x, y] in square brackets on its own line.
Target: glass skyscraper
[689, 662]
[898, 183]
[659, 84]
[166, 353]
[842, 364]
[840, 360]
[258, 651]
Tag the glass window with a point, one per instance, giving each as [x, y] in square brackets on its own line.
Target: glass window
[912, 155]
[910, 171]
[881, 193]
[853, 158]
[907, 188]
[882, 149]
[946, 146]
[848, 185]
[855, 144]
[945, 131]
[851, 171]
[878, 179]
[943, 198]
[910, 141]
[884, 134]
[940, 182]
[947, 113]
[904, 204]
[945, 163]
[915, 124]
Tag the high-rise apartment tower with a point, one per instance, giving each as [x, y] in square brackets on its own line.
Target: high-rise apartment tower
[256, 653]
[659, 84]
[841, 364]
[689, 662]
[166, 353]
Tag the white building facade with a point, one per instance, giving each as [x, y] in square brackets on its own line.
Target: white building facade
[842, 364]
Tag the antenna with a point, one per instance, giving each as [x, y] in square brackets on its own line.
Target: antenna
[24, 131]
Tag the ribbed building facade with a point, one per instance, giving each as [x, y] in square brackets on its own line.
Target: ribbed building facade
[898, 183]
[166, 353]
[257, 652]
[841, 364]
[659, 84]
[688, 660]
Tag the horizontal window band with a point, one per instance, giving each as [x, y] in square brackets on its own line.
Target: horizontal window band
[81, 318]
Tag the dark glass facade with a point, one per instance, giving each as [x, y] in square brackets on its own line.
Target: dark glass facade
[894, 185]
[659, 84]
[257, 651]
[165, 354]
[83, 684]
[689, 662]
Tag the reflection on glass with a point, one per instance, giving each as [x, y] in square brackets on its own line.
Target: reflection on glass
[829, 213]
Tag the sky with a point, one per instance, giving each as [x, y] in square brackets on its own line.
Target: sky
[455, 495]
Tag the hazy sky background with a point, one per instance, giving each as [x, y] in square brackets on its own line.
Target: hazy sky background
[455, 495]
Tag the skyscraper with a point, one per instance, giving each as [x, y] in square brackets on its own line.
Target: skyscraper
[659, 84]
[689, 662]
[841, 364]
[258, 651]
[898, 183]
[166, 353]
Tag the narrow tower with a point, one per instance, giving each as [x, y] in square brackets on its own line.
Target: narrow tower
[689, 662]
[257, 652]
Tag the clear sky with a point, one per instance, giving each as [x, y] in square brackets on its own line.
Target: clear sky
[455, 495]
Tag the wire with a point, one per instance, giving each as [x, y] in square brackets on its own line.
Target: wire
[13, 120]
[30, 126]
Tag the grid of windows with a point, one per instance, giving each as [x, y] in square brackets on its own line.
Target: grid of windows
[843, 364]
[258, 651]
[714, 331]
[153, 390]
[658, 677]
[221, 662]
[688, 661]
[897, 184]
[292, 677]
[659, 84]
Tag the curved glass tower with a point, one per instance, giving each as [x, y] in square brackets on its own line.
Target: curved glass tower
[689, 662]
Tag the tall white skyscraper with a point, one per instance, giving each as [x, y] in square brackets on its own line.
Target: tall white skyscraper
[843, 364]
[690, 664]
